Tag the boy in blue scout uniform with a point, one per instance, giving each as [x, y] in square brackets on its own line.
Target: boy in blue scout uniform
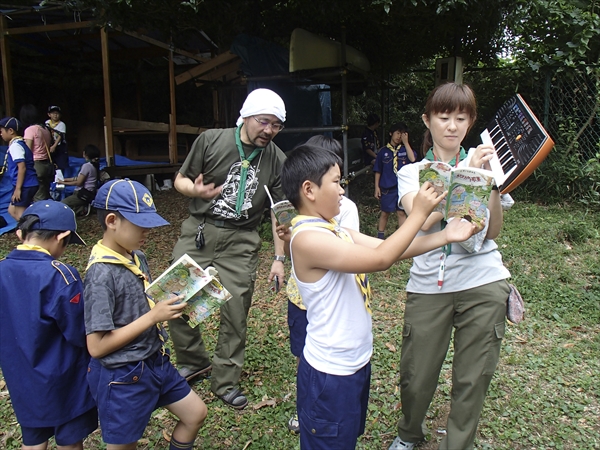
[18, 163]
[42, 337]
[390, 159]
[329, 265]
[130, 374]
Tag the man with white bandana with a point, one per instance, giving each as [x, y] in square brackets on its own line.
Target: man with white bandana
[224, 175]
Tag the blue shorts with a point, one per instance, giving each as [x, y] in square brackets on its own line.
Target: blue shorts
[68, 433]
[389, 200]
[127, 396]
[332, 409]
[27, 194]
[297, 323]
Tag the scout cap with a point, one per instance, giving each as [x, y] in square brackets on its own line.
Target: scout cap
[54, 216]
[132, 200]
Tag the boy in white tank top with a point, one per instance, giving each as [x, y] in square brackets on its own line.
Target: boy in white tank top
[329, 264]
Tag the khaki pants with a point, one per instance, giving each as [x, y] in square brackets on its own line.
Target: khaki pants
[234, 253]
[44, 170]
[478, 318]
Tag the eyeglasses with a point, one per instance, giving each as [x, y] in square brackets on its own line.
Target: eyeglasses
[276, 127]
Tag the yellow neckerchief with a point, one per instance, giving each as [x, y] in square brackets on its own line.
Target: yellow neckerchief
[301, 222]
[395, 153]
[103, 254]
[33, 247]
[52, 123]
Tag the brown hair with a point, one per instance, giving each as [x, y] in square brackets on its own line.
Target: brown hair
[447, 98]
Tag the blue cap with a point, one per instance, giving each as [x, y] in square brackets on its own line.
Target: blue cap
[132, 200]
[54, 216]
[11, 122]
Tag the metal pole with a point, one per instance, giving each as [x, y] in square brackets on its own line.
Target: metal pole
[344, 107]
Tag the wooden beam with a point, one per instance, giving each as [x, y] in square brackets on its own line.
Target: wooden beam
[108, 124]
[204, 68]
[140, 126]
[47, 28]
[9, 96]
[221, 71]
[160, 44]
[173, 115]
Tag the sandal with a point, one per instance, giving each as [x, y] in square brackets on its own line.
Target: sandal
[190, 374]
[235, 398]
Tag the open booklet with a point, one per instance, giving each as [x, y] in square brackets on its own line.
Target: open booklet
[284, 211]
[469, 189]
[202, 292]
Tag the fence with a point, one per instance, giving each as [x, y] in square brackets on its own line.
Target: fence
[571, 103]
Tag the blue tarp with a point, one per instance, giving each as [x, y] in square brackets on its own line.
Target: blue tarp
[75, 164]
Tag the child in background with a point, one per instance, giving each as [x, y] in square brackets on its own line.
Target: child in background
[19, 166]
[470, 301]
[86, 182]
[42, 336]
[57, 127]
[370, 140]
[390, 159]
[297, 322]
[130, 374]
[329, 265]
[37, 137]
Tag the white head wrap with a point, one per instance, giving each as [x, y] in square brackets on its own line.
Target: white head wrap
[262, 101]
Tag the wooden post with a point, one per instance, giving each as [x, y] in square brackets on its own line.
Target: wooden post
[9, 98]
[173, 116]
[108, 123]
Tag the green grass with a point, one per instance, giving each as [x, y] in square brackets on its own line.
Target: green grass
[545, 394]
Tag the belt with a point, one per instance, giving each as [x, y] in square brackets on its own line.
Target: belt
[227, 224]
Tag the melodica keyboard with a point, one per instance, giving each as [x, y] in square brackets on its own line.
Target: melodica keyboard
[521, 143]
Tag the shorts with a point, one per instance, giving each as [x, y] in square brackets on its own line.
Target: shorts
[389, 200]
[127, 396]
[297, 323]
[27, 194]
[332, 409]
[68, 433]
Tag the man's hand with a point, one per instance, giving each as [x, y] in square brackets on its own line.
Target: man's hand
[427, 199]
[168, 309]
[277, 269]
[205, 191]
[459, 230]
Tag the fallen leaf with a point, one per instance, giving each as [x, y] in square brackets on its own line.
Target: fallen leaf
[269, 402]
[391, 347]
[166, 435]
[520, 340]
[569, 345]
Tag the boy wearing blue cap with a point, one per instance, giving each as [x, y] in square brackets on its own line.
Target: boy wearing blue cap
[19, 165]
[43, 352]
[130, 374]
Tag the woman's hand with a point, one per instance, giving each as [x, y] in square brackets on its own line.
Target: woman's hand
[482, 156]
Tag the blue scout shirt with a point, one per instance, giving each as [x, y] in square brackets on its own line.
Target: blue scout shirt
[384, 164]
[19, 152]
[369, 140]
[43, 353]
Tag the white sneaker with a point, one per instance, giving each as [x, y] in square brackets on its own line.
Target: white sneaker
[399, 444]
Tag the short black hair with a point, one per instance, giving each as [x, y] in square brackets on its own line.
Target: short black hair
[91, 151]
[372, 119]
[26, 223]
[305, 163]
[101, 215]
[327, 143]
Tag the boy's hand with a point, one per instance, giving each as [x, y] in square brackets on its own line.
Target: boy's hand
[377, 192]
[284, 232]
[459, 230]
[16, 197]
[168, 309]
[427, 199]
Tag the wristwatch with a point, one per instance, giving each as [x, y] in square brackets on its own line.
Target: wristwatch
[279, 258]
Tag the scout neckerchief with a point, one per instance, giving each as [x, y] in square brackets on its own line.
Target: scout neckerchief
[103, 254]
[300, 222]
[446, 249]
[395, 154]
[244, 170]
[36, 248]
[5, 163]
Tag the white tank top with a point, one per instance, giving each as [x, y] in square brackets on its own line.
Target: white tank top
[339, 340]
